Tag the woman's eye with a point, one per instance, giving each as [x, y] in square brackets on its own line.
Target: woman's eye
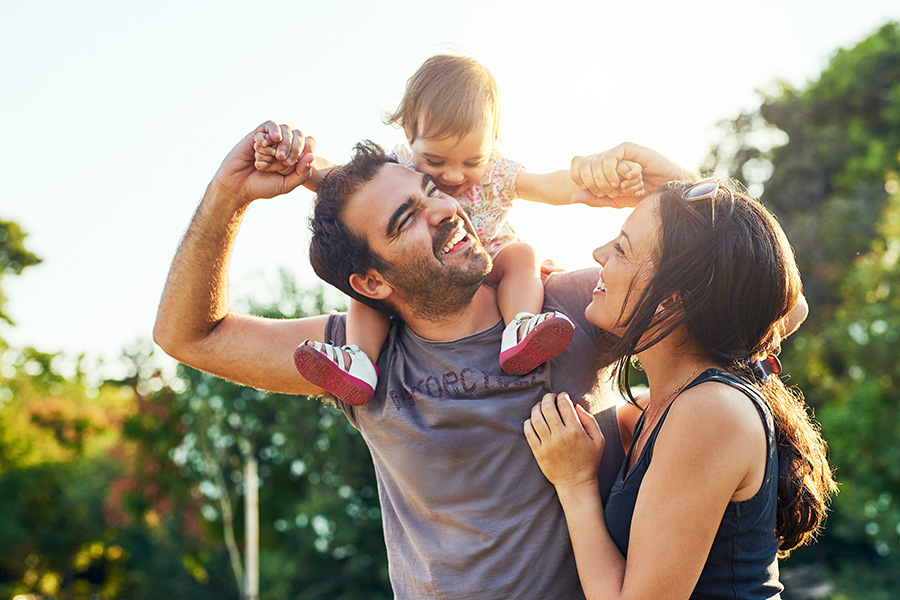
[473, 165]
[432, 163]
[618, 247]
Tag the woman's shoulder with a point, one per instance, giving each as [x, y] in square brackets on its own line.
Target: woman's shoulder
[715, 408]
[712, 428]
[715, 425]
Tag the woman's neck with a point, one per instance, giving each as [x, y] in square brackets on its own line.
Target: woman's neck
[671, 365]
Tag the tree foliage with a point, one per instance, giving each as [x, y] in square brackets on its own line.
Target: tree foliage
[116, 489]
[55, 435]
[827, 183]
[852, 366]
[14, 257]
[826, 159]
[320, 525]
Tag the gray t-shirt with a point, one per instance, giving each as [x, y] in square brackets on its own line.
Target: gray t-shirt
[467, 512]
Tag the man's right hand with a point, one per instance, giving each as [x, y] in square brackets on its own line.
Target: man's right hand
[239, 178]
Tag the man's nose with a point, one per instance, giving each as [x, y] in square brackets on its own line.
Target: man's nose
[442, 208]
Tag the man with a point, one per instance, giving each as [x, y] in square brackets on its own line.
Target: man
[467, 513]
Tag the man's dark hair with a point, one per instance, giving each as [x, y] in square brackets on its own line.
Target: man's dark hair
[335, 252]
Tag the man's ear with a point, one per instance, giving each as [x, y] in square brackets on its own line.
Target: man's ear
[371, 285]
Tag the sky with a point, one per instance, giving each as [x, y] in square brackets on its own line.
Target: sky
[115, 115]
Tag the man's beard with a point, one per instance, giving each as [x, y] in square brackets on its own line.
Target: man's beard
[433, 291]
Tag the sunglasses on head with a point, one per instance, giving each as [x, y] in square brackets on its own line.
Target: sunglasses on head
[707, 189]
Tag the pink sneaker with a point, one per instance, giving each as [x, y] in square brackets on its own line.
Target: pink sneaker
[323, 365]
[546, 336]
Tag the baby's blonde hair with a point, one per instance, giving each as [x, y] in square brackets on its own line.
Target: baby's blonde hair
[451, 96]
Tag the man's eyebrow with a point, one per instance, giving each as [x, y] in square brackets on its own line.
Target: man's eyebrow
[403, 208]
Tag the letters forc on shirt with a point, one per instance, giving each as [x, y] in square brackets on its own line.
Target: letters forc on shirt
[465, 384]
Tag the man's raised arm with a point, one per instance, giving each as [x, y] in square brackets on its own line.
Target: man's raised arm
[194, 323]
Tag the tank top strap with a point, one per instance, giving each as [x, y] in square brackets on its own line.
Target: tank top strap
[748, 389]
[728, 379]
[720, 376]
[647, 452]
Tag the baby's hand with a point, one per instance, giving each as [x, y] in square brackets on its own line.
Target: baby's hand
[607, 180]
[279, 149]
[632, 181]
[264, 155]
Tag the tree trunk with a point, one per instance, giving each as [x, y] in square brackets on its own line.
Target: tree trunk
[251, 529]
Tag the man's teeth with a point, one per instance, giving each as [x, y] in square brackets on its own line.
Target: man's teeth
[457, 237]
[601, 286]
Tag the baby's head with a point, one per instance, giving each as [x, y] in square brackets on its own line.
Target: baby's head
[450, 113]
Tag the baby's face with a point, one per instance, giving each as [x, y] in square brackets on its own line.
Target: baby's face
[455, 163]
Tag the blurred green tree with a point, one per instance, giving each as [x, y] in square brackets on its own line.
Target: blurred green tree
[14, 257]
[819, 158]
[851, 367]
[825, 159]
[320, 525]
[118, 489]
[55, 433]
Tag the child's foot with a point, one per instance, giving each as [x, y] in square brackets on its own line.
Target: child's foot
[544, 336]
[323, 365]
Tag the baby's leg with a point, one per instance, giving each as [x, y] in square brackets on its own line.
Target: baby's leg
[531, 337]
[347, 372]
[367, 328]
[518, 276]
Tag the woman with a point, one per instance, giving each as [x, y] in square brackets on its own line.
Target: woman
[725, 471]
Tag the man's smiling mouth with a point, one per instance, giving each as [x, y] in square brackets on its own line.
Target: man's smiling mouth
[457, 238]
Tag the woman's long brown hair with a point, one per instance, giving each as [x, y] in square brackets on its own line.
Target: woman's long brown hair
[737, 282]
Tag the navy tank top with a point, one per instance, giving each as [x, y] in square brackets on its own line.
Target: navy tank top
[742, 562]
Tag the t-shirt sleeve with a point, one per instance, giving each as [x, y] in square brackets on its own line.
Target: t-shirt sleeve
[504, 176]
[336, 329]
[336, 334]
[571, 292]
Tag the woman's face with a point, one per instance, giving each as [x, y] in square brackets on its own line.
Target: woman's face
[626, 262]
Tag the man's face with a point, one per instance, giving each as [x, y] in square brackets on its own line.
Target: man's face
[435, 259]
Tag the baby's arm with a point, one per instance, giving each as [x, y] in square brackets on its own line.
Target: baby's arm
[561, 187]
[516, 272]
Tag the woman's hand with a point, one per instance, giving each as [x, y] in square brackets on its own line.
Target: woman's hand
[621, 186]
[565, 440]
[613, 174]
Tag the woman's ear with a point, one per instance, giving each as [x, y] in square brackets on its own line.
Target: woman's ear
[371, 285]
[668, 306]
